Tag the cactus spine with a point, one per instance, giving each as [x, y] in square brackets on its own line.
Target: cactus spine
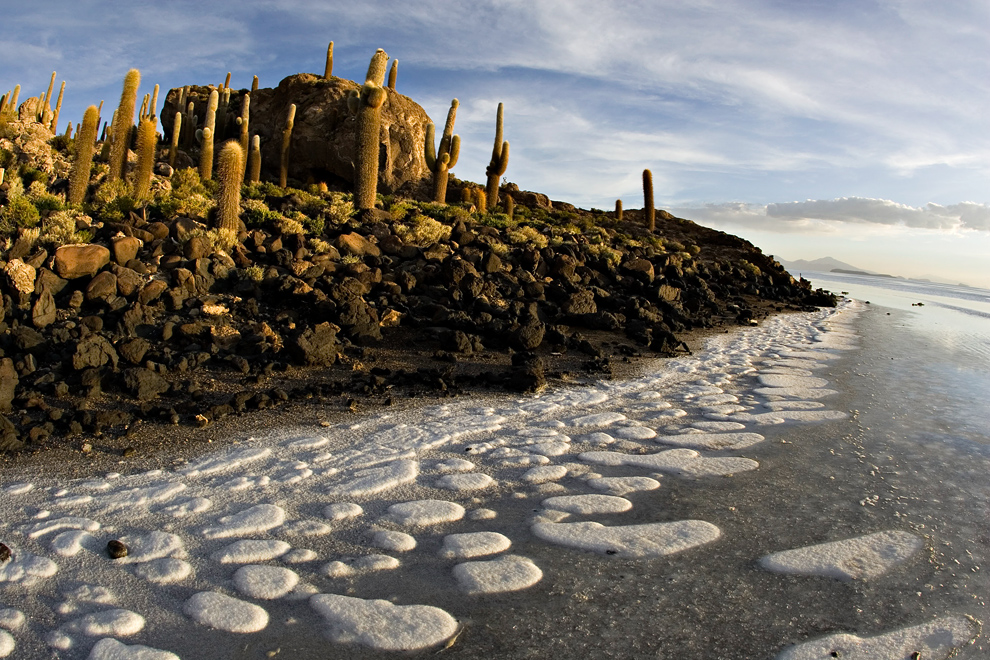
[58, 108]
[290, 122]
[85, 145]
[392, 74]
[209, 130]
[328, 70]
[618, 210]
[243, 122]
[500, 161]
[122, 123]
[367, 105]
[445, 157]
[173, 149]
[146, 142]
[648, 210]
[254, 160]
[230, 172]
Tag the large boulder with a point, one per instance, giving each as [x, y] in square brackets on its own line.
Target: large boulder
[74, 261]
[324, 135]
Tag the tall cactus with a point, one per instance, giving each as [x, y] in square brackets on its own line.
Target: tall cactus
[254, 84]
[12, 103]
[46, 103]
[648, 210]
[367, 105]
[206, 137]
[328, 70]
[122, 124]
[441, 160]
[85, 145]
[392, 74]
[152, 109]
[500, 161]
[243, 122]
[254, 160]
[173, 150]
[58, 108]
[146, 142]
[618, 210]
[290, 122]
[230, 172]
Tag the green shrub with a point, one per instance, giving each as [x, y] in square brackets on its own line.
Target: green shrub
[7, 158]
[62, 143]
[18, 212]
[400, 209]
[527, 236]
[29, 175]
[423, 231]
[59, 229]
[257, 215]
[340, 209]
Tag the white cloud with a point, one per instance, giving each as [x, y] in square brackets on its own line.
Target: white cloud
[965, 215]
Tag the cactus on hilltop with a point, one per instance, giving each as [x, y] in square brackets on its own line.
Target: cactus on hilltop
[500, 161]
[152, 109]
[290, 122]
[230, 172]
[58, 108]
[254, 84]
[46, 102]
[328, 70]
[444, 157]
[243, 122]
[206, 137]
[367, 105]
[85, 145]
[12, 104]
[173, 149]
[392, 74]
[649, 212]
[122, 123]
[147, 140]
[618, 210]
[510, 207]
[254, 160]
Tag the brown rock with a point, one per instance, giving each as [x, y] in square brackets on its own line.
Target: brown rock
[356, 244]
[640, 267]
[74, 261]
[49, 281]
[8, 384]
[158, 229]
[125, 248]
[324, 136]
[196, 247]
[20, 275]
[668, 293]
[129, 282]
[43, 312]
[151, 291]
[183, 228]
[533, 200]
[102, 287]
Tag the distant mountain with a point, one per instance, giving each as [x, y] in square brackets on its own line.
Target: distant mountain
[823, 265]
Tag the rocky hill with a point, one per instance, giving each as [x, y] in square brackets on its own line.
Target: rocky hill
[137, 307]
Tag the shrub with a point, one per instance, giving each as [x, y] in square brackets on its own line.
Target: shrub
[423, 231]
[18, 212]
[749, 268]
[43, 200]
[29, 175]
[59, 229]
[258, 215]
[527, 236]
[254, 274]
[341, 208]
[62, 143]
[289, 226]
[400, 210]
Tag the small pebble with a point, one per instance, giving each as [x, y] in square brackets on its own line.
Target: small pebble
[116, 549]
[4, 552]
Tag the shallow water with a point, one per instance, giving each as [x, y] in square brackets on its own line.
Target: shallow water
[903, 447]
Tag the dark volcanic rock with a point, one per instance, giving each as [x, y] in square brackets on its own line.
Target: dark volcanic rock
[316, 346]
[74, 261]
[8, 383]
[9, 440]
[144, 384]
[94, 351]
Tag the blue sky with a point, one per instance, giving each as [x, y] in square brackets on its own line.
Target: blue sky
[855, 129]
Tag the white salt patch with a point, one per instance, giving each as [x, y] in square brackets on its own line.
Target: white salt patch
[164, 570]
[259, 518]
[425, 512]
[859, 558]
[88, 595]
[342, 510]
[547, 516]
[716, 399]
[76, 500]
[544, 473]
[299, 556]
[623, 485]
[465, 482]
[11, 619]
[68, 544]
[597, 419]
[683, 461]
[265, 582]
[215, 610]
[110, 649]
[598, 439]
[27, 569]
[455, 465]
[18, 489]
[587, 504]
[781, 380]
[225, 461]
[187, 507]
[338, 569]
[633, 432]
[115, 622]
[382, 625]
[58, 524]
[712, 440]
[718, 427]
[394, 541]
[784, 416]
[795, 392]
[7, 643]
[308, 443]
[307, 528]
[473, 544]
[293, 476]
[244, 483]
[376, 563]
[145, 547]
[793, 405]
[635, 541]
[248, 551]
[525, 460]
[810, 355]
[497, 576]
[482, 514]
[134, 497]
[928, 641]
[378, 479]
[550, 448]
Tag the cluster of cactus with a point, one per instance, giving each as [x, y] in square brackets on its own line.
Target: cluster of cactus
[445, 156]
[122, 124]
[367, 105]
[85, 146]
[498, 164]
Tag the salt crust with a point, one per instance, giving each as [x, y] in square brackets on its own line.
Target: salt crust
[620, 486]
[544, 473]
[632, 541]
[265, 582]
[781, 380]
[935, 640]
[473, 544]
[216, 610]
[795, 392]
[465, 482]
[254, 520]
[711, 440]
[69, 544]
[153, 545]
[394, 541]
[382, 625]
[860, 558]
[7, 643]
[420, 513]
[110, 649]
[379, 479]
[482, 514]
[27, 569]
[116, 622]
[11, 619]
[248, 551]
[165, 570]
[342, 510]
[587, 504]
[511, 573]
[680, 461]
[597, 419]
